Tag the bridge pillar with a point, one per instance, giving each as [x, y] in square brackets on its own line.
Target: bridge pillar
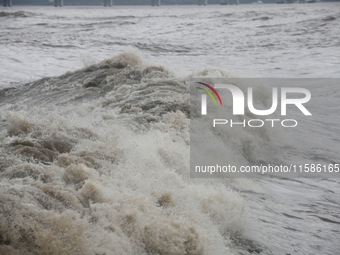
[58, 3]
[237, 2]
[107, 3]
[155, 2]
[202, 2]
[7, 3]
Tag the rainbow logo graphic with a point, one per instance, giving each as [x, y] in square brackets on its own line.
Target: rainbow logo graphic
[211, 92]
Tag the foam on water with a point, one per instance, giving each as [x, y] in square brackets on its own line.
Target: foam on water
[109, 174]
[264, 40]
[97, 160]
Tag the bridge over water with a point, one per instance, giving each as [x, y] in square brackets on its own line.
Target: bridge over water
[106, 3]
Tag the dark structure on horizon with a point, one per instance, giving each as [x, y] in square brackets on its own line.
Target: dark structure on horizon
[106, 3]
[155, 2]
[7, 3]
[58, 3]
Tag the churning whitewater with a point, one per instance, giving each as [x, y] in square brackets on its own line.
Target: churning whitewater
[96, 162]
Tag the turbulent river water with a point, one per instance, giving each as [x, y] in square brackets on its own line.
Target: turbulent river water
[95, 142]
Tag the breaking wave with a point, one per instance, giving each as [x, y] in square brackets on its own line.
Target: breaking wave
[97, 162]
[17, 14]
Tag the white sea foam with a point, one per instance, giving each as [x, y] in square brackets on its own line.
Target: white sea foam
[97, 161]
[78, 179]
